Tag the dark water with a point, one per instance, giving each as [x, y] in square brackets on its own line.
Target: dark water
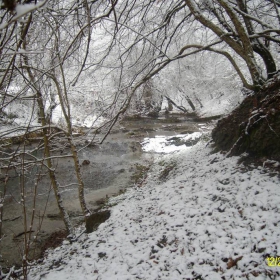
[106, 169]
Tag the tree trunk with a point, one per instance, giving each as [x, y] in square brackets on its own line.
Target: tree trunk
[198, 101]
[190, 103]
[177, 106]
[170, 106]
[243, 47]
[81, 189]
[267, 58]
[51, 169]
[257, 46]
[66, 113]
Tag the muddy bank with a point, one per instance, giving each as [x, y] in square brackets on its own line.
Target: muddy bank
[254, 126]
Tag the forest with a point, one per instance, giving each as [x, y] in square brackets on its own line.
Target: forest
[70, 65]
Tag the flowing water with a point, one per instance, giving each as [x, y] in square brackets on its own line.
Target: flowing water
[107, 169]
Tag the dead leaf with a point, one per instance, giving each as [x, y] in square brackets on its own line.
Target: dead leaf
[233, 262]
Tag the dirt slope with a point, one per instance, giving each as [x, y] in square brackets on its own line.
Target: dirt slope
[253, 127]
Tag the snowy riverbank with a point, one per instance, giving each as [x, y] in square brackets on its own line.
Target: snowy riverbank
[197, 216]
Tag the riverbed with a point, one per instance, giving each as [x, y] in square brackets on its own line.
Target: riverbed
[107, 170]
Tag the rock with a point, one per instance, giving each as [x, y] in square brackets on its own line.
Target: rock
[101, 255]
[57, 216]
[86, 162]
[153, 114]
[94, 220]
[178, 141]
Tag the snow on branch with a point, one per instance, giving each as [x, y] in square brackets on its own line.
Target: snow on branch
[22, 10]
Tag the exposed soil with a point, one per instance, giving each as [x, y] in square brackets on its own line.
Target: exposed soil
[54, 240]
[253, 127]
[95, 219]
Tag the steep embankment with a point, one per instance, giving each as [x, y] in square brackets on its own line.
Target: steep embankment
[197, 215]
[253, 127]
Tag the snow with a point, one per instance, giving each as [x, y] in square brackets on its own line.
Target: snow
[89, 121]
[78, 118]
[22, 118]
[162, 144]
[24, 9]
[209, 218]
[23, 115]
[215, 107]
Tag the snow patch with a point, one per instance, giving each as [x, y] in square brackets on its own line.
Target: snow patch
[212, 219]
[163, 144]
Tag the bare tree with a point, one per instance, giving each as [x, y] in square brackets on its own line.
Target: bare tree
[54, 51]
[239, 26]
[38, 47]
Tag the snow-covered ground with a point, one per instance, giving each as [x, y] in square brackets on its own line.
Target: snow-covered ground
[197, 216]
[23, 119]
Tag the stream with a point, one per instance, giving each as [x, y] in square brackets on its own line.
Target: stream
[107, 170]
